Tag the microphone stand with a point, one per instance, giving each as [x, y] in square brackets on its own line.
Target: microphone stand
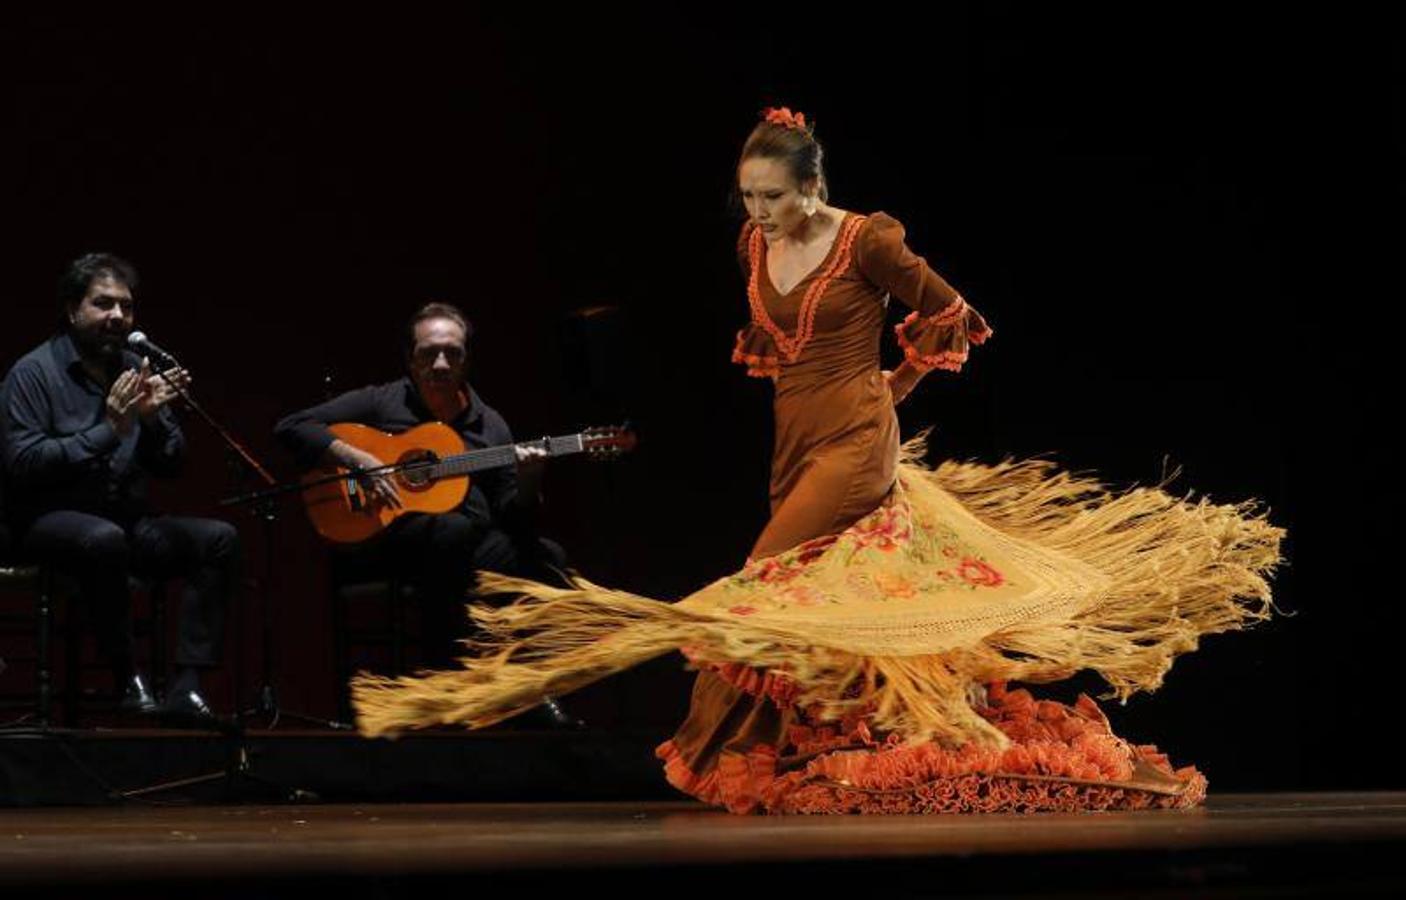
[238, 758]
[265, 509]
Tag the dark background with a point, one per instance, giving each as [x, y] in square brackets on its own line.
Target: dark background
[1176, 222]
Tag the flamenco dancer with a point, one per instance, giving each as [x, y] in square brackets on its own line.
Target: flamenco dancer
[859, 661]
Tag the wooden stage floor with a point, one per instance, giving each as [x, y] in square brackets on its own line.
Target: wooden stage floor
[1241, 844]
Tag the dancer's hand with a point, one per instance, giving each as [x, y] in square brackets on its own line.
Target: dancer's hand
[901, 382]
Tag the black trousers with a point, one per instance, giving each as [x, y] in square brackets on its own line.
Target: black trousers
[439, 555]
[100, 553]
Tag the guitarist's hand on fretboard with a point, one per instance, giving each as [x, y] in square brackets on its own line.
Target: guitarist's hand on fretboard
[531, 462]
[379, 486]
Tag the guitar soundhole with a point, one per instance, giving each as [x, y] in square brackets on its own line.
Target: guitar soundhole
[419, 473]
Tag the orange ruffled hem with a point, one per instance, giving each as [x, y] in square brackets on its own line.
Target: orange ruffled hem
[976, 794]
[1061, 759]
[941, 341]
[704, 787]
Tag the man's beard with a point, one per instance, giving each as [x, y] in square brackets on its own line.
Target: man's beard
[101, 343]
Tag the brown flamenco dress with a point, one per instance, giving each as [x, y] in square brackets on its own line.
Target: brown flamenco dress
[859, 661]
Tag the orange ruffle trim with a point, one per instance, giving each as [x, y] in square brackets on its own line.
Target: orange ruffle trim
[756, 350]
[734, 783]
[1061, 759]
[774, 686]
[941, 340]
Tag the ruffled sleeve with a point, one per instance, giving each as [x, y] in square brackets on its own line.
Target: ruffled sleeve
[942, 326]
[755, 348]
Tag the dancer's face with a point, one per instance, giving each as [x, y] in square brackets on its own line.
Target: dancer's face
[775, 202]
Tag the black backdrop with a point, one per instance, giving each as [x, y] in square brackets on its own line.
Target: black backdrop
[1171, 219]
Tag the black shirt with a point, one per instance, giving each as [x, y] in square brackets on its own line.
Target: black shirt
[396, 407]
[59, 450]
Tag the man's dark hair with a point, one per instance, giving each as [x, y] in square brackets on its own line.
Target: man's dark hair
[436, 311]
[83, 271]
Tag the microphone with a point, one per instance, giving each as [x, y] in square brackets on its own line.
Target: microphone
[138, 341]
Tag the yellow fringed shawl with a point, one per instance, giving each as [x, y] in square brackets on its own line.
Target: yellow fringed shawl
[968, 574]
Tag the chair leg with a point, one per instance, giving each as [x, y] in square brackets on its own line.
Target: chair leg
[44, 673]
[72, 665]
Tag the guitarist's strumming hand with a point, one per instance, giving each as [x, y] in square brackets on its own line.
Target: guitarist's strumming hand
[380, 486]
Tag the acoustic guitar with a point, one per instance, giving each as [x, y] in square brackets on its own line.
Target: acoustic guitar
[430, 467]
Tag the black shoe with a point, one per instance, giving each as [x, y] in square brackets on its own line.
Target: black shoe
[188, 706]
[550, 714]
[136, 697]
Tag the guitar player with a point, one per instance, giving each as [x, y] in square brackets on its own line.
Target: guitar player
[495, 528]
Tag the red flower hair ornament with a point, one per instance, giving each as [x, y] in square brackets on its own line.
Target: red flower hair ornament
[785, 118]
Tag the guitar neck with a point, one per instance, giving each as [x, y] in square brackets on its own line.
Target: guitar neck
[506, 455]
